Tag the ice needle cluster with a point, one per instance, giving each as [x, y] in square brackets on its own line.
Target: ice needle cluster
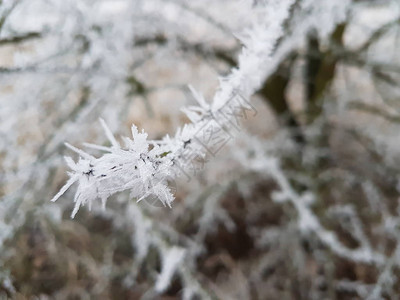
[139, 167]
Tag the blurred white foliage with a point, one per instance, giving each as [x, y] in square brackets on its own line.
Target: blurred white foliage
[308, 223]
[143, 167]
[170, 262]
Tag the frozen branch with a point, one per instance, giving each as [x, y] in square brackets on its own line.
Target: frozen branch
[145, 171]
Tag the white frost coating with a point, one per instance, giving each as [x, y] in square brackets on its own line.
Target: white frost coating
[328, 14]
[170, 262]
[145, 172]
[134, 168]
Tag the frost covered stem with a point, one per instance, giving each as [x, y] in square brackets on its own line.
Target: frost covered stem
[145, 170]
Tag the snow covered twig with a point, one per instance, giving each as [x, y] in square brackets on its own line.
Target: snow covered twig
[144, 168]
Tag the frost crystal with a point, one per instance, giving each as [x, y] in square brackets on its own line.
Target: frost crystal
[135, 167]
